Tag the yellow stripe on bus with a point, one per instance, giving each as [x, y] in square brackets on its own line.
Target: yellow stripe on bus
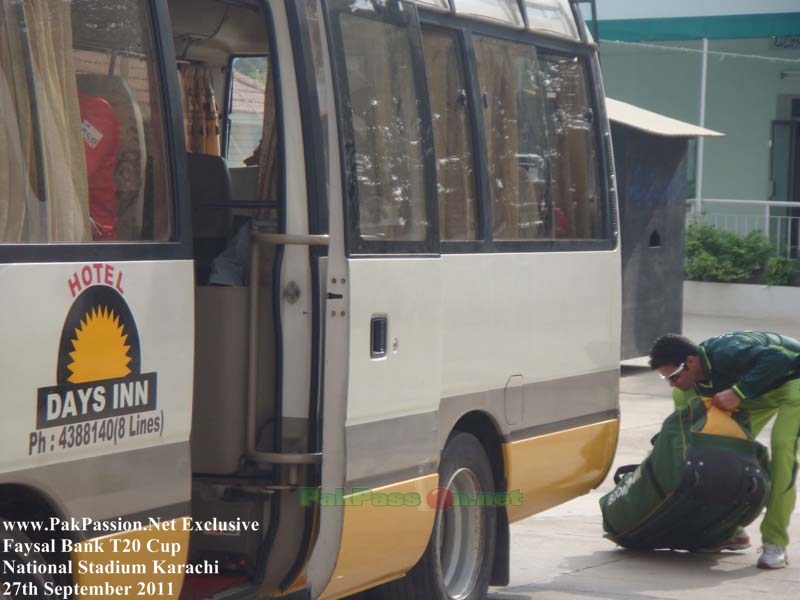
[381, 543]
[553, 468]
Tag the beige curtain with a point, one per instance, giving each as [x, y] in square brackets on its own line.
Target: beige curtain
[389, 160]
[268, 167]
[575, 183]
[200, 116]
[495, 72]
[64, 172]
[451, 137]
[15, 135]
[63, 168]
[161, 210]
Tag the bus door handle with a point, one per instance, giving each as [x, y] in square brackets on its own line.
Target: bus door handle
[378, 335]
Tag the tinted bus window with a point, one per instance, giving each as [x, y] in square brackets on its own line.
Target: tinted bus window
[452, 135]
[246, 117]
[516, 141]
[93, 127]
[385, 112]
[575, 171]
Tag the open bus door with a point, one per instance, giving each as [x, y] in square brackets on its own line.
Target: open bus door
[255, 431]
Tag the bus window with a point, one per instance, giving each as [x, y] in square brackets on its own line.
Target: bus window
[552, 16]
[96, 127]
[384, 110]
[246, 118]
[515, 138]
[575, 179]
[452, 133]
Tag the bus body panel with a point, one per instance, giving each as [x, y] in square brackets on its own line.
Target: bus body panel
[543, 315]
[90, 340]
[97, 374]
[527, 339]
[386, 391]
[369, 523]
[556, 335]
[551, 469]
[390, 430]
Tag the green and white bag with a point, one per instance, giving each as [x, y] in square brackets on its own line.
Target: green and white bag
[704, 478]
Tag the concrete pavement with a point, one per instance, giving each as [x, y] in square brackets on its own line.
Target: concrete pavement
[561, 554]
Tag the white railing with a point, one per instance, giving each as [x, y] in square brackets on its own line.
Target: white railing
[783, 230]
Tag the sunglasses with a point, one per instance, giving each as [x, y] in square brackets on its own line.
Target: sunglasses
[675, 375]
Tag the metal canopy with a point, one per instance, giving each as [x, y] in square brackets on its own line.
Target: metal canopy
[651, 122]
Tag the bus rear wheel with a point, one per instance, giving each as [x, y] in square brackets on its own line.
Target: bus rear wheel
[457, 564]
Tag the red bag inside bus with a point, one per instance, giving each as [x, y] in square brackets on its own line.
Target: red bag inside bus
[100, 132]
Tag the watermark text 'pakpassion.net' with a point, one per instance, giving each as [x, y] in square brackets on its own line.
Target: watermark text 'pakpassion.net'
[438, 498]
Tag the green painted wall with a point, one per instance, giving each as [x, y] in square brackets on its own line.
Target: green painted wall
[742, 101]
[689, 28]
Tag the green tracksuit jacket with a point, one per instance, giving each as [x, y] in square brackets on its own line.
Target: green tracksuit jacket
[751, 363]
[764, 370]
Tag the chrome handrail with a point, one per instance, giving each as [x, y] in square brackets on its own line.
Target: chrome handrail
[258, 239]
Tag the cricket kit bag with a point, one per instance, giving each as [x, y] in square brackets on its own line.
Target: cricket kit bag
[704, 478]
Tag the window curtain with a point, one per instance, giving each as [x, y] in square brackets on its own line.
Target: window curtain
[451, 134]
[62, 172]
[387, 132]
[16, 149]
[495, 70]
[575, 180]
[200, 116]
[64, 168]
[160, 225]
[268, 167]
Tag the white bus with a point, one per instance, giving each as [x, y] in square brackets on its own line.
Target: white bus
[231, 376]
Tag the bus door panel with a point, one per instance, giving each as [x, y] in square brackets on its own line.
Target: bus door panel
[391, 302]
[394, 284]
[395, 368]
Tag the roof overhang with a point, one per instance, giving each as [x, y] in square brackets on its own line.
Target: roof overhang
[651, 122]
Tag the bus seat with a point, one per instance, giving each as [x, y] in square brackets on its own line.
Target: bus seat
[245, 182]
[211, 190]
[129, 174]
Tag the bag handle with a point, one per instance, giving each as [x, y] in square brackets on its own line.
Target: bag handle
[622, 471]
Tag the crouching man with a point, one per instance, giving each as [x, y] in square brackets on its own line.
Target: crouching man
[754, 371]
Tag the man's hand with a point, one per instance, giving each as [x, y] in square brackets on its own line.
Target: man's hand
[726, 400]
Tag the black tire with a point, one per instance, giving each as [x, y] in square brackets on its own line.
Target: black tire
[426, 581]
[31, 585]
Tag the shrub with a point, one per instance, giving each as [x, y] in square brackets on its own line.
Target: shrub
[716, 255]
[780, 270]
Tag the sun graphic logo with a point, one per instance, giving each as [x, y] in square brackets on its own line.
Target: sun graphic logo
[100, 350]
[98, 375]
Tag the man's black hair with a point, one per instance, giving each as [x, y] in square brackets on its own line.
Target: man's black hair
[671, 349]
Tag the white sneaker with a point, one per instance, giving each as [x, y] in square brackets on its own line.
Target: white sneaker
[772, 557]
